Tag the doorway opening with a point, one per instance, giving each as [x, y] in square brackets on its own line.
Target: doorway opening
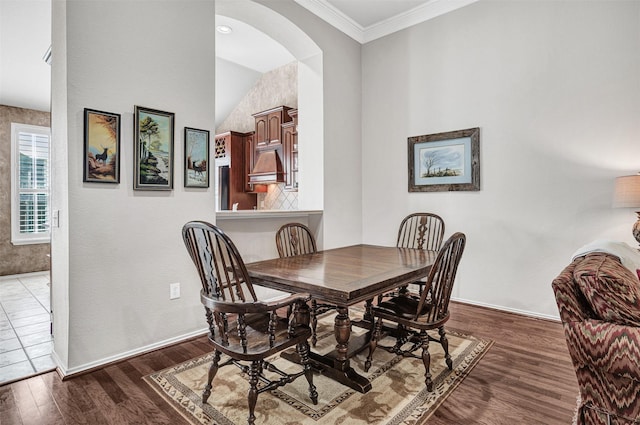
[25, 326]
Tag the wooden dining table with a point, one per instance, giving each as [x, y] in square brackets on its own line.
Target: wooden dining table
[344, 277]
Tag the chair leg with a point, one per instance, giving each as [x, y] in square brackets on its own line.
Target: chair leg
[401, 339]
[254, 373]
[367, 316]
[212, 373]
[314, 322]
[303, 352]
[375, 335]
[426, 359]
[445, 346]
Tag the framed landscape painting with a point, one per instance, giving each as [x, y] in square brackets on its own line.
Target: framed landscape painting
[196, 157]
[445, 161]
[153, 152]
[101, 147]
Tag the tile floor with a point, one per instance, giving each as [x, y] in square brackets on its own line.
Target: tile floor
[25, 326]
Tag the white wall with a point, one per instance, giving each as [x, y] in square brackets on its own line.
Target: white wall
[341, 131]
[552, 85]
[59, 186]
[118, 249]
[227, 95]
[554, 88]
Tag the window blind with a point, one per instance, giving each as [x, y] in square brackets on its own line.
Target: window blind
[33, 182]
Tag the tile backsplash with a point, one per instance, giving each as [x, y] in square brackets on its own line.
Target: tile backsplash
[277, 198]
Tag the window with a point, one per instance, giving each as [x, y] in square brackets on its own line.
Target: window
[29, 184]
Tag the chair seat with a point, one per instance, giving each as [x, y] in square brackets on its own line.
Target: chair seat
[403, 306]
[258, 344]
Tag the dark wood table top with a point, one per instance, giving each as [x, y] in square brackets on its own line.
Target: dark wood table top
[344, 276]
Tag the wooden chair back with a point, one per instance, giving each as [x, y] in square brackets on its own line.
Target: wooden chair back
[421, 231]
[439, 283]
[220, 266]
[295, 239]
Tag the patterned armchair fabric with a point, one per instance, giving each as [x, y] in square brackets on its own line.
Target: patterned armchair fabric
[599, 304]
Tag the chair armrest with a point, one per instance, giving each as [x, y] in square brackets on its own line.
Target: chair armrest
[609, 347]
[284, 302]
[213, 303]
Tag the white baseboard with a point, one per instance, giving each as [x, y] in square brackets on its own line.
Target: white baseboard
[58, 362]
[127, 354]
[509, 310]
[171, 341]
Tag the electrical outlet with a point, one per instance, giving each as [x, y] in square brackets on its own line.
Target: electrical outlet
[174, 291]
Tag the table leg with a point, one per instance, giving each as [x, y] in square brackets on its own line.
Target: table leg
[342, 331]
[339, 367]
[336, 364]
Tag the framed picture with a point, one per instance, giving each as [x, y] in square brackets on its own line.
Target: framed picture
[196, 157]
[153, 157]
[445, 161]
[101, 147]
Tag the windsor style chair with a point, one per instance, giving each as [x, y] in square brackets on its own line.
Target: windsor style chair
[416, 313]
[418, 231]
[244, 329]
[297, 239]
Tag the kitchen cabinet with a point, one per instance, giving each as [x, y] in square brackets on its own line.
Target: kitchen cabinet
[231, 152]
[268, 157]
[290, 151]
[268, 131]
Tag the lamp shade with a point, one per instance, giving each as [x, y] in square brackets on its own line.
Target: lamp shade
[627, 192]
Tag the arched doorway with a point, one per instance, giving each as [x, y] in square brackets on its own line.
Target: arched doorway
[310, 90]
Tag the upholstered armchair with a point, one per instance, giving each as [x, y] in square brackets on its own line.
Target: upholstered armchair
[599, 304]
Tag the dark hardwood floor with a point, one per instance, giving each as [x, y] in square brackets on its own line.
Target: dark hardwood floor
[525, 378]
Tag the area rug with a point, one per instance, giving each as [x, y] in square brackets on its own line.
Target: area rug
[398, 394]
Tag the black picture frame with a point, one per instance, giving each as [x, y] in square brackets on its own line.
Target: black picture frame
[196, 157]
[101, 147]
[154, 149]
[448, 161]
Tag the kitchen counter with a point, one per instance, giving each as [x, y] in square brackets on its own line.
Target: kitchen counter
[259, 214]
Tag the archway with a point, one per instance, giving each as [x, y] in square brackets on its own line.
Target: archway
[310, 90]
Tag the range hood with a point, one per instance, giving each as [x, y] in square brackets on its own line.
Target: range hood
[268, 169]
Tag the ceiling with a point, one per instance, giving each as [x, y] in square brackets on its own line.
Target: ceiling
[367, 20]
[25, 36]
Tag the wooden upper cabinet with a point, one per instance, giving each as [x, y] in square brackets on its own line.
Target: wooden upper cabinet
[268, 130]
[261, 136]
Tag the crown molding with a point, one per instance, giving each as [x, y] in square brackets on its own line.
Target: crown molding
[335, 17]
[429, 10]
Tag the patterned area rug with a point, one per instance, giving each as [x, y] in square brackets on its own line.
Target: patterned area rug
[398, 395]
